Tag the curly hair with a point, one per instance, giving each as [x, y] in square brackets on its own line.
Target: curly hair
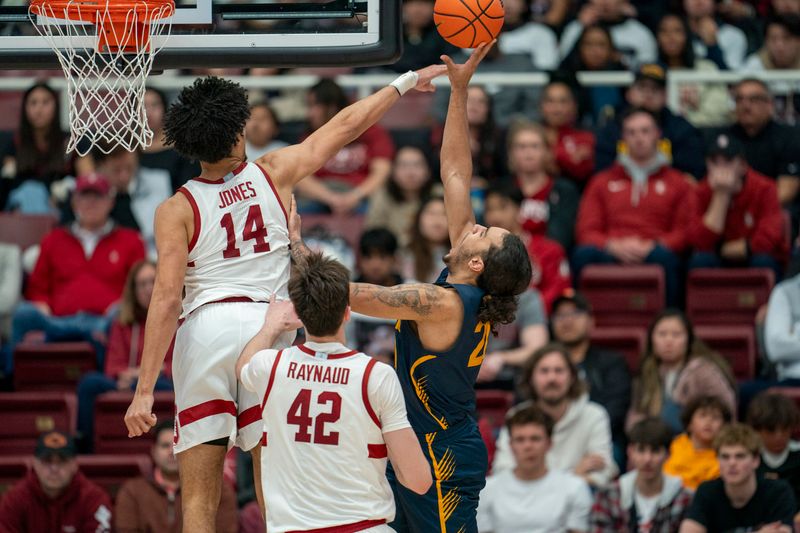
[205, 123]
[506, 274]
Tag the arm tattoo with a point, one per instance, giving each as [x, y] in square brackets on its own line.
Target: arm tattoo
[299, 250]
[421, 299]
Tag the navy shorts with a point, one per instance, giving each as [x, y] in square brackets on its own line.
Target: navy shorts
[459, 464]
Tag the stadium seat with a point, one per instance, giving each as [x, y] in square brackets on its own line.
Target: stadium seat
[12, 469]
[736, 343]
[24, 230]
[26, 415]
[623, 296]
[110, 433]
[630, 342]
[53, 366]
[349, 227]
[727, 296]
[111, 471]
[493, 405]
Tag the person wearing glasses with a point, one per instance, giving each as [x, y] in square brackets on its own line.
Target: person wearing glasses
[771, 148]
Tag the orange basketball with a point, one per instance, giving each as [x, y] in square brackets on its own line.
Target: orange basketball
[468, 23]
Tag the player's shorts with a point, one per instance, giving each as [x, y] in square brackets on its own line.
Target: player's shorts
[459, 462]
[209, 401]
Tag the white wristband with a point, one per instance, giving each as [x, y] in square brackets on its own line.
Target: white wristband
[405, 82]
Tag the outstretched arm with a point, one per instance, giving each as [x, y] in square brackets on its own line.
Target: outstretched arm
[172, 241]
[456, 155]
[411, 301]
[289, 165]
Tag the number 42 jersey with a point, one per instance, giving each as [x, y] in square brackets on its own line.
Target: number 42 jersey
[240, 244]
[325, 409]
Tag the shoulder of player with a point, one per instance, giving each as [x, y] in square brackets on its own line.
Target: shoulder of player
[439, 300]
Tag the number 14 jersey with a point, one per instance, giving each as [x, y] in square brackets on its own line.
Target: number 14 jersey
[325, 409]
[240, 245]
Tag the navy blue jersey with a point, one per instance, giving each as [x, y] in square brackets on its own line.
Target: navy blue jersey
[439, 387]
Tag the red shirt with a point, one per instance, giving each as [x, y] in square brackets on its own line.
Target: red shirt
[663, 213]
[69, 282]
[83, 508]
[551, 275]
[125, 348]
[753, 214]
[535, 210]
[574, 153]
[351, 163]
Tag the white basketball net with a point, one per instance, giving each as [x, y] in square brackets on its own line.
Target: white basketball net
[105, 87]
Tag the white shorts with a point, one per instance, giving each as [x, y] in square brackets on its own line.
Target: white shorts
[210, 403]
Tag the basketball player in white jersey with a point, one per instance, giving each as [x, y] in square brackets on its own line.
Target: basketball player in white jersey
[331, 415]
[223, 248]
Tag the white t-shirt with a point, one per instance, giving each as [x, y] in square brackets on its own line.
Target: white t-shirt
[646, 510]
[553, 504]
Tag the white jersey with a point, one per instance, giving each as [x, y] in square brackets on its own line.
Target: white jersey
[325, 409]
[240, 246]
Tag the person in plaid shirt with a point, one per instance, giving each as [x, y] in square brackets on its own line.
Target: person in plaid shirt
[644, 500]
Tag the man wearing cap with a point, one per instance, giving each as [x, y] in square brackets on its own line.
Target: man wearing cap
[681, 142]
[738, 219]
[55, 496]
[605, 372]
[80, 272]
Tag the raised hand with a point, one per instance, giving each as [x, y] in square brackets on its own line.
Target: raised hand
[460, 74]
[427, 75]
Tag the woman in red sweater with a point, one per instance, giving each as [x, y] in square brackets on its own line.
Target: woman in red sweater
[124, 351]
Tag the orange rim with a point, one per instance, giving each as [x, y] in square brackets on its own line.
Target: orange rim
[115, 15]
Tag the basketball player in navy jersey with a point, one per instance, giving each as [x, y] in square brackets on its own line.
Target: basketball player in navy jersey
[442, 330]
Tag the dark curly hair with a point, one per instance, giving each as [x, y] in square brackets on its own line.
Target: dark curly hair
[506, 274]
[205, 123]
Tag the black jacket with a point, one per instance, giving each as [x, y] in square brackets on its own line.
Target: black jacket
[606, 373]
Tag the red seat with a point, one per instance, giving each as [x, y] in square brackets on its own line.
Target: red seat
[12, 469]
[630, 342]
[110, 433]
[736, 344]
[493, 405]
[52, 366]
[727, 296]
[111, 471]
[349, 227]
[623, 295]
[24, 230]
[26, 415]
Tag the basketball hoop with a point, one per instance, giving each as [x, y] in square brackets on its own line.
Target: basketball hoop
[106, 49]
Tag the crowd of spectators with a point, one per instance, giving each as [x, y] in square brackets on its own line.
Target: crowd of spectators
[585, 174]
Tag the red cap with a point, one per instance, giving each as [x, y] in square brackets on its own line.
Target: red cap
[93, 183]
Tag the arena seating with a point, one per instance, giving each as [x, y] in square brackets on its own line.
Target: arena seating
[53, 366]
[729, 296]
[629, 341]
[24, 230]
[736, 344]
[492, 405]
[26, 415]
[111, 471]
[12, 469]
[349, 227]
[110, 433]
[623, 295]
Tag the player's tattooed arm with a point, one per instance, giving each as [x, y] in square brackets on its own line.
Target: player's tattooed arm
[403, 302]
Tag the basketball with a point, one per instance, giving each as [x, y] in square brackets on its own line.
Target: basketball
[468, 23]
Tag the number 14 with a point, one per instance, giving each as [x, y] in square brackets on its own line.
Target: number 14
[254, 229]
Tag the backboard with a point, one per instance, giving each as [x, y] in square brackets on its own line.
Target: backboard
[247, 33]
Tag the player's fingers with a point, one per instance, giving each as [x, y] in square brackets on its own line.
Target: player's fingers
[447, 61]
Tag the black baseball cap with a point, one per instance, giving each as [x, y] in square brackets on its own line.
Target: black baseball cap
[55, 443]
[652, 72]
[725, 145]
[575, 298]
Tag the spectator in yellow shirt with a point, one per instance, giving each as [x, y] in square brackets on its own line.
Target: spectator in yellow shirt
[691, 455]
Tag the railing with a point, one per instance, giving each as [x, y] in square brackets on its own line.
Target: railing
[364, 84]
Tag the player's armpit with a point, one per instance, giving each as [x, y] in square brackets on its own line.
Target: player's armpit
[413, 301]
[412, 469]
